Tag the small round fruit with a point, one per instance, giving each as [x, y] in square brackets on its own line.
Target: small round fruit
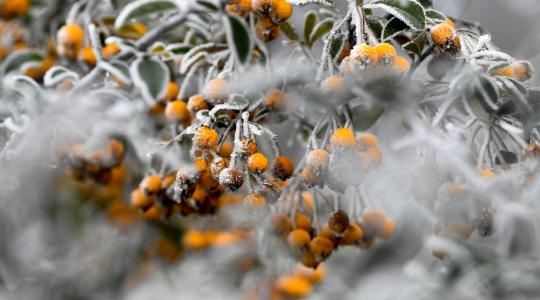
[364, 55]
[172, 91]
[343, 137]
[388, 229]
[266, 30]
[338, 221]
[139, 200]
[257, 163]
[176, 111]
[254, 201]
[70, 38]
[88, 56]
[216, 89]
[352, 235]
[282, 168]
[333, 83]
[231, 178]
[274, 99]
[309, 176]
[151, 185]
[218, 165]
[321, 248]
[522, 70]
[205, 138]
[317, 158]
[294, 286]
[247, 147]
[302, 221]
[298, 240]
[368, 140]
[279, 225]
[401, 64]
[282, 10]
[197, 103]
[385, 53]
[110, 50]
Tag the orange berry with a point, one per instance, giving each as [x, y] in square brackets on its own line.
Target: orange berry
[279, 225]
[459, 231]
[139, 200]
[216, 89]
[444, 36]
[450, 22]
[522, 70]
[298, 240]
[352, 235]
[200, 164]
[333, 83]
[88, 56]
[368, 140]
[343, 137]
[294, 286]
[274, 99]
[152, 214]
[205, 138]
[116, 148]
[110, 50]
[227, 149]
[385, 53]
[14, 8]
[338, 221]
[282, 168]
[176, 112]
[401, 64]
[151, 185]
[257, 163]
[302, 221]
[364, 55]
[308, 259]
[321, 248]
[197, 103]
[373, 221]
[329, 234]
[487, 173]
[172, 91]
[282, 10]
[266, 30]
[388, 229]
[247, 147]
[70, 38]
[309, 176]
[195, 239]
[315, 276]
[263, 7]
[218, 165]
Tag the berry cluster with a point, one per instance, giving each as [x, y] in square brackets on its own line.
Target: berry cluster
[364, 56]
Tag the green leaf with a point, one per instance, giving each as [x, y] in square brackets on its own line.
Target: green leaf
[392, 28]
[141, 8]
[208, 5]
[289, 31]
[320, 30]
[150, 76]
[363, 116]
[426, 3]
[416, 46]
[375, 25]
[238, 37]
[336, 46]
[309, 22]
[178, 49]
[409, 11]
[435, 15]
[15, 60]
[508, 157]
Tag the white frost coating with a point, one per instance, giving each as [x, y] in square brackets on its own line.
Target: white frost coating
[58, 74]
[494, 54]
[114, 71]
[126, 13]
[304, 2]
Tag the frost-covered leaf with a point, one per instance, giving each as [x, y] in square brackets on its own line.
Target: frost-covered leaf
[236, 102]
[394, 27]
[17, 59]
[416, 46]
[178, 49]
[323, 3]
[409, 11]
[508, 157]
[375, 25]
[320, 30]
[336, 46]
[309, 23]
[363, 116]
[58, 74]
[289, 31]
[188, 63]
[118, 69]
[426, 3]
[210, 5]
[238, 37]
[141, 8]
[435, 15]
[150, 76]
[517, 92]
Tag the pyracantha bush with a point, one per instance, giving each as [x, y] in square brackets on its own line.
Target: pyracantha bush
[261, 148]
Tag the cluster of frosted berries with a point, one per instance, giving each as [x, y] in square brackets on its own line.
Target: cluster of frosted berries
[270, 14]
[382, 55]
[100, 166]
[311, 245]
[445, 39]
[343, 161]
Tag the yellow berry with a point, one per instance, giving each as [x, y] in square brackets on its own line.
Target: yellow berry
[257, 163]
[70, 38]
[205, 138]
[266, 30]
[368, 140]
[401, 64]
[151, 185]
[255, 201]
[283, 10]
[197, 103]
[294, 286]
[352, 235]
[364, 55]
[172, 91]
[139, 200]
[506, 71]
[385, 53]
[14, 8]
[177, 112]
[522, 70]
[216, 89]
[321, 248]
[110, 50]
[88, 56]
[298, 240]
[343, 137]
[333, 83]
